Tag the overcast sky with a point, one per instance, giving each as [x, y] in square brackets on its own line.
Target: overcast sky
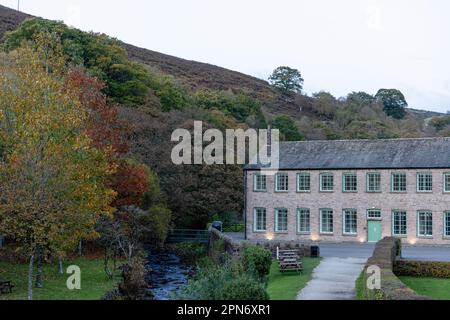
[339, 46]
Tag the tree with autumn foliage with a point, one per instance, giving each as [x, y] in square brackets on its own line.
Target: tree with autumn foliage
[109, 134]
[53, 181]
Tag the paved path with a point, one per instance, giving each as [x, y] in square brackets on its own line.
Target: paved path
[333, 279]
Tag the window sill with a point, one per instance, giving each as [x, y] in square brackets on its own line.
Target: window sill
[330, 234]
[321, 191]
[374, 191]
[400, 236]
[349, 191]
[426, 237]
[259, 191]
[424, 192]
[303, 233]
[281, 232]
[259, 231]
[303, 191]
[276, 191]
[353, 235]
[399, 192]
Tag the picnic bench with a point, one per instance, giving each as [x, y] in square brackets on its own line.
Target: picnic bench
[6, 286]
[289, 260]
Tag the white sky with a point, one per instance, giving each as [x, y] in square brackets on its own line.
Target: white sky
[339, 46]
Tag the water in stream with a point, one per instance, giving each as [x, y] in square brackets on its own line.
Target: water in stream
[167, 274]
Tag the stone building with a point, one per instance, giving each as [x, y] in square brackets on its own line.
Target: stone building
[353, 191]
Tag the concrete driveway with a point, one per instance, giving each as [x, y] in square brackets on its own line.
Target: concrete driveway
[365, 250]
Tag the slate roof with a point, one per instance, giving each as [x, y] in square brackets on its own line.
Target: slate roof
[427, 153]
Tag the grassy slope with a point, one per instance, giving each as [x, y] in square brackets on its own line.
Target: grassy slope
[287, 286]
[94, 283]
[431, 287]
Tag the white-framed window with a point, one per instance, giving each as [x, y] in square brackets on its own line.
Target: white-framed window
[350, 222]
[374, 214]
[260, 220]
[303, 182]
[303, 221]
[260, 182]
[447, 224]
[282, 182]
[349, 182]
[447, 182]
[398, 182]
[326, 182]
[425, 223]
[424, 182]
[399, 223]
[281, 220]
[326, 221]
[373, 182]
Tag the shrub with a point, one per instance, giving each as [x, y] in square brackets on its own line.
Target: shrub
[224, 282]
[423, 269]
[133, 285]
[191, 253]
[257, 260]
[288, 128]
[171, 95]
[239, 106]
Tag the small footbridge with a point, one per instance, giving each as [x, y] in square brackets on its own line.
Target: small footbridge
[188, 236]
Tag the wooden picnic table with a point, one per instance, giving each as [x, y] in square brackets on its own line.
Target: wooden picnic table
[6, 286]
[289, 260]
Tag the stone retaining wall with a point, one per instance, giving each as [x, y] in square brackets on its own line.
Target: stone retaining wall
[233, 247]
[386, 253]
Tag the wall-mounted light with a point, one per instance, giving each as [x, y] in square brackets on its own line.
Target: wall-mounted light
[269, 236]
[412, 241]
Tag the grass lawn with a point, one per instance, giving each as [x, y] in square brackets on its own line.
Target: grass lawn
[438, 289]
[94, 282]
[286, 286]
[359, 287]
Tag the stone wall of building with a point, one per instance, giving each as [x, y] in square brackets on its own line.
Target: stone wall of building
[438, 202]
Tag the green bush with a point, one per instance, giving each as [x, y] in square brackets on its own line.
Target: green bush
[257, 260]
[192, 253]
[288, 128]
[423, 269]
[127, 82]
[171, 95]
[239, 106]
[224, 282]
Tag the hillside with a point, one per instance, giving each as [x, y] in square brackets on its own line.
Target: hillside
[196, 75]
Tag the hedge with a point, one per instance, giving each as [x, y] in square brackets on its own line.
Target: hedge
[422, 269]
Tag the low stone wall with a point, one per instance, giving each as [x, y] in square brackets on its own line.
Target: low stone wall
[385, 256]
[220, 241]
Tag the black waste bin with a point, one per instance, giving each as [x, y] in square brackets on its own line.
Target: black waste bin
[218, 225]
[315, 252]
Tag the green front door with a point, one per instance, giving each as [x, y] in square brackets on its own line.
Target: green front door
[374, 230]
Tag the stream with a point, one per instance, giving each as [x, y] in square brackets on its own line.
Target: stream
[167, 274]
